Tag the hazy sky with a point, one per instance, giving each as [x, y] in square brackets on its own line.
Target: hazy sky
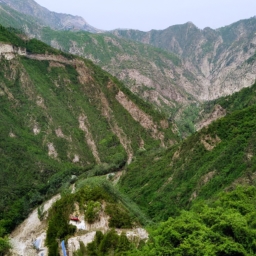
[154, 14]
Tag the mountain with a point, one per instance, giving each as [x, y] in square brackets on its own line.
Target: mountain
[73, 132]
[217, 58]
[45, 17]
[153, 74]
[216, 158]
[62, 116]
[192, 66]
[64, 120]
[207, 63]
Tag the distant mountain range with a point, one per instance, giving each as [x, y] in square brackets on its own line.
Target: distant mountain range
[45, 17]
[219, 59]
[192, 66]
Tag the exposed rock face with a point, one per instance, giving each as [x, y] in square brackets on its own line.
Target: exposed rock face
[9, 51]
[141, 117]
[83, 125]
[217, 113]
[209, 142]
[217, 58]
[52, 151]
[23, 237]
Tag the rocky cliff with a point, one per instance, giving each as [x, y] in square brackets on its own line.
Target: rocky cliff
[219, 59]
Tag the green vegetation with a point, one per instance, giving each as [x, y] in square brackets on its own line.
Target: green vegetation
[92, 211]
[224, 227]
[109, 243]
[5, 245]
[61, 119]
[204, 164]
[40, 126]
[119, 217]
[91, 200]
[186, 120]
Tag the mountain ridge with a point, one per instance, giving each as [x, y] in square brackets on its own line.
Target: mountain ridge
[49, 18]
[212, 56]
[209, 67]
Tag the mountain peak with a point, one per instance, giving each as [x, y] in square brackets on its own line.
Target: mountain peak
[48, 18]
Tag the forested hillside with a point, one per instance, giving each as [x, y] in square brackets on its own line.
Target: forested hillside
[62, 116]
[78, 145]
[223, 227]
[207, 162]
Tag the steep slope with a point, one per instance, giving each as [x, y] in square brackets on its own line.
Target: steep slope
[60, 116]
[218, 58]
[212, 110]
[153, 74]
[26, 24]
[212, 160]
[48, 18]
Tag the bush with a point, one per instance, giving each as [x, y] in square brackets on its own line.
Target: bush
[119, 217]
[92, 211]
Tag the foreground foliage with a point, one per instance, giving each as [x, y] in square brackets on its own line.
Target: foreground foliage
[163, 182]
[225, 227]
[109, 243]
[91, 199]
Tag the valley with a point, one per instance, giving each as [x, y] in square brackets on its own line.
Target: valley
[125, 142]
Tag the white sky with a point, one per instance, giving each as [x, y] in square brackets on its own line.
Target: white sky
[154, 14]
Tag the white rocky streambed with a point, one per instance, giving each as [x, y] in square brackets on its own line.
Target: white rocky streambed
[31, 233]
[28, 239]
